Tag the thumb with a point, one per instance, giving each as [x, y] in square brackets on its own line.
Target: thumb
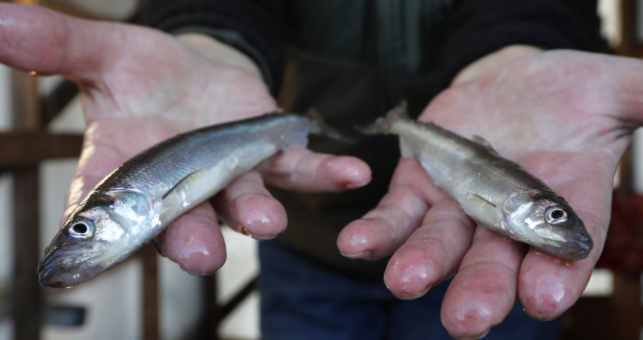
[41, 40]
[627, 87]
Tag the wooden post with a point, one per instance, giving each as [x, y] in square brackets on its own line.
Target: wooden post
[26, 299]
[150, 292]
[210, 317]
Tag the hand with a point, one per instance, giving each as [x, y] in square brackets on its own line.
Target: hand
[141, 86]
[566, 117]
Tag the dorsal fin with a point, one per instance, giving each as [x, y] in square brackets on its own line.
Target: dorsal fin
[383, 124]
[484, 143]
[398, 112]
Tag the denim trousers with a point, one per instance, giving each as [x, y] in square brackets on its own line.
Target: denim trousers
[303, 299]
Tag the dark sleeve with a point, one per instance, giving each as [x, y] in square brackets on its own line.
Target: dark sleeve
[480, 27]
[248, 25]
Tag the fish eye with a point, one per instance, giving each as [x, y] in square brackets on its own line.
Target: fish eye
[555, 215]
[80, 230]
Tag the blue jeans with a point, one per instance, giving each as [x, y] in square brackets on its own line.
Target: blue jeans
[301, 299]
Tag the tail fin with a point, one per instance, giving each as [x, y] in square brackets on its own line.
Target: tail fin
[328, 130]
[383, 125]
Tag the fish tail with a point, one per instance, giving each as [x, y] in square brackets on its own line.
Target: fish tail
[398, 112]
[383, 125]
[327, 130]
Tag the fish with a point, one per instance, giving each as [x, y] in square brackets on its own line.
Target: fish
[136, 201]
[495, 192]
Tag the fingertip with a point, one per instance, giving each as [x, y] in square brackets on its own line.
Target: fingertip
[262, 217]
[477, 299]
[347, 172]
[200, 254]
[25, 43]
[355, 240]
[197, 247]
[548, 285]
[410, 273]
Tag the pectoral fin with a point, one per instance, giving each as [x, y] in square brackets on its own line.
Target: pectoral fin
[181, 187]
[479, 200]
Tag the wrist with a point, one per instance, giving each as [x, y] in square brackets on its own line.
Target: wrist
[493, 61]
[219, 53]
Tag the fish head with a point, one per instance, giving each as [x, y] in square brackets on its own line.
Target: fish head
[102, 231]
[545, 221]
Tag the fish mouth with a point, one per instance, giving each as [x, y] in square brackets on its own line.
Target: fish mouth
[581, 244]
[58, 270]
[577, 247]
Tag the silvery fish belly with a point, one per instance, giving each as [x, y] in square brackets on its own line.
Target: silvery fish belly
[493, 191]
[138, 200]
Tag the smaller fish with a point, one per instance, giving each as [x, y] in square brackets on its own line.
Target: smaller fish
[134, 203]
[495, 192]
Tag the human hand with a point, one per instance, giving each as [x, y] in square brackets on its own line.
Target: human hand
[566, 117]
[140, 86]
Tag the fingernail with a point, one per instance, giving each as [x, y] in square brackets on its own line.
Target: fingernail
[362, 255]
[348, 173]
[262, 238]
[195, 273]
[356, 185]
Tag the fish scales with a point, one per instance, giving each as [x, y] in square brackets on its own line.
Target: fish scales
[139, 199]
[196, 149]
[495, 192]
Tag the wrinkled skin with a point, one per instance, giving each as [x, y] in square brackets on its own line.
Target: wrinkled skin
[564, 116]
[140, 86]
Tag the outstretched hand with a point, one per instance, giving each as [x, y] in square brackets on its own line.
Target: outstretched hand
[566, 117]
[140, 86]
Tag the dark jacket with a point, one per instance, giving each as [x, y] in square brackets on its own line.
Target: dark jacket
[353, 59]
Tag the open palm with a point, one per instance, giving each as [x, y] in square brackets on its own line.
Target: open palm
[566, 117]
[141, 86]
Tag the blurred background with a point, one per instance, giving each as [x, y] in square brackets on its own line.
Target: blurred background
[148, 297]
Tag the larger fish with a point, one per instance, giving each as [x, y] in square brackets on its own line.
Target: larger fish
[492, 190]
[138, 200]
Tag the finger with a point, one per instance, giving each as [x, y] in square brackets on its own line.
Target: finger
[432, 253]
[194, 241]
[246, 206]
[400, 212]
[302, 170]
[37, 39]
[549, 285]
[484, 290]
[44, 41]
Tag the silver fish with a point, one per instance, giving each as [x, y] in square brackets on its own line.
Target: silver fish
[138, 200]
[495, 192]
